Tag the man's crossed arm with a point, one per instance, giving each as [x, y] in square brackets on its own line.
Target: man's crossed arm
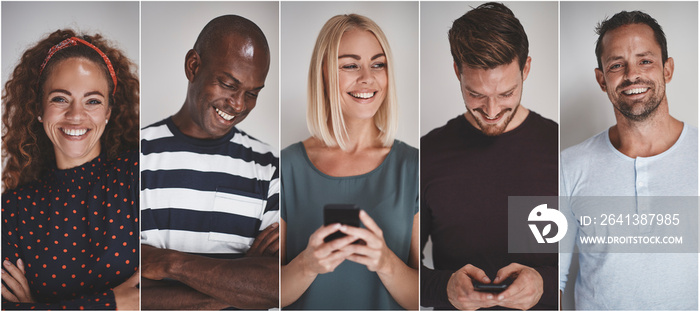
[250, 282]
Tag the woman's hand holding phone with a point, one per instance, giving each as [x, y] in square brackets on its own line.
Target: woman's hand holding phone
[321, 257]
[373, 253]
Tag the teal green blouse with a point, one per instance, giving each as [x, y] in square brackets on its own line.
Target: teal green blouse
[389, 194]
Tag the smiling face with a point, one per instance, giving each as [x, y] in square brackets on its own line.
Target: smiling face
[633, 75]
[224, 85]
[75, 110]
[492, 96]
[362, 74]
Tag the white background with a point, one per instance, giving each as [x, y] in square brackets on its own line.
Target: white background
[25, 23]
[301, 23]
[441, 98]
[169, 30]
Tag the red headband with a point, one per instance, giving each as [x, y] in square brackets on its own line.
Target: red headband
[73, 41]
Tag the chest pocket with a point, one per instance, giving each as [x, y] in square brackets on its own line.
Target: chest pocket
[235, 218]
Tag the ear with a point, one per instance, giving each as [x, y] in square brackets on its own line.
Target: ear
[526, 68]
[668, 69]
[601, 79]
[109, 112]
[192, 63]
[457, 73]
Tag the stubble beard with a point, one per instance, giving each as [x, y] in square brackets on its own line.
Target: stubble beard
[495, 129]
[631, 111]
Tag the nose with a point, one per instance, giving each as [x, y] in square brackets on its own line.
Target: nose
[75, 112]
[365, 75]
[632, 72]
[237, 101]
[491, 107]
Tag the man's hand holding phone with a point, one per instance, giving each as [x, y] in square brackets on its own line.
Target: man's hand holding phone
[526, 289]
[461, 292]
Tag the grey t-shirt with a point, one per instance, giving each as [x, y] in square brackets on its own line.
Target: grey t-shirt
[631, 281]
[389, 194]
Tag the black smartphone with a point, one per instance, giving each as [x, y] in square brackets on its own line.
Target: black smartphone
[347, 214]
[494, 288]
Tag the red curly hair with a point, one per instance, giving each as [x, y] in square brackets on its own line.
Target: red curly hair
[26, 148]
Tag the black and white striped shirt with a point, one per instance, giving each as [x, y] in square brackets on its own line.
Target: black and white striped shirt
[206, 197]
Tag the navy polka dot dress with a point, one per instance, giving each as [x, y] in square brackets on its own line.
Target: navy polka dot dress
[76, 231]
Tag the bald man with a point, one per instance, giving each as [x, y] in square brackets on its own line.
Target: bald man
[210, 192]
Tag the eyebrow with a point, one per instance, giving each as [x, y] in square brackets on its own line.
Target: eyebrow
[643, 54]
[357, 57]
[502, 93]
[61, 91]
[94, 93]
[70, 94]
[236, 81]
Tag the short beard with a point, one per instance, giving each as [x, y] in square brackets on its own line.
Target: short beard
[494, 130]
[649, 107]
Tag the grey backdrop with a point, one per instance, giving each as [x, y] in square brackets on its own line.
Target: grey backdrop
[585, 109]
[441, 99]
[25, 23]
[301, 23]
[169, 30]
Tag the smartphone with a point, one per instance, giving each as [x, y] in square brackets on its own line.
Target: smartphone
[347, 214]
[494, 288]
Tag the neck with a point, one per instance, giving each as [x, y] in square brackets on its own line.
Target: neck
[646, 138]
[518, 118]
[187, 126]
[64, 163]
[362, 134]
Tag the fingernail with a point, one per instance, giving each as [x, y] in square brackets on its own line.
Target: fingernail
[500, 297]
[7, 263]
[489, 297]
[274, 225]
[343, 228]
[20, 263]
[497, 278]
[485, 279]
[2, 271]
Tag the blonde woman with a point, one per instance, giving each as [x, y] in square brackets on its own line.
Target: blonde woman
[351, 158]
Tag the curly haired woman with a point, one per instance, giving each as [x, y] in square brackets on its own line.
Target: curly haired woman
[70, 183]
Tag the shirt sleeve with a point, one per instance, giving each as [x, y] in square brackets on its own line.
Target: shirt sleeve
[99, 301]
[272, 207]
[550, 276]
[566, 245]
[433, 283]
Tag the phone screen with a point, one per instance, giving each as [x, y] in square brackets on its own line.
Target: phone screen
[347, 214]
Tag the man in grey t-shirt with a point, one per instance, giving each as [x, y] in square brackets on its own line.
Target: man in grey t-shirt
[646, 153]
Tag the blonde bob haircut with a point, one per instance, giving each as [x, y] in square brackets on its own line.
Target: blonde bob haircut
[324, 115]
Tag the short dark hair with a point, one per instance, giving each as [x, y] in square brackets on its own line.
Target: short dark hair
[487, 37]
[224, 25]
[626, 18]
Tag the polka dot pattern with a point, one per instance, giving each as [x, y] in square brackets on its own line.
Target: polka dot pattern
[76, 230]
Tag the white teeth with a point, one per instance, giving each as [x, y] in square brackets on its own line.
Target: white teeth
[72, 132]
[362, 95]
[494, 118]
[636, 91]
[224, 115]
